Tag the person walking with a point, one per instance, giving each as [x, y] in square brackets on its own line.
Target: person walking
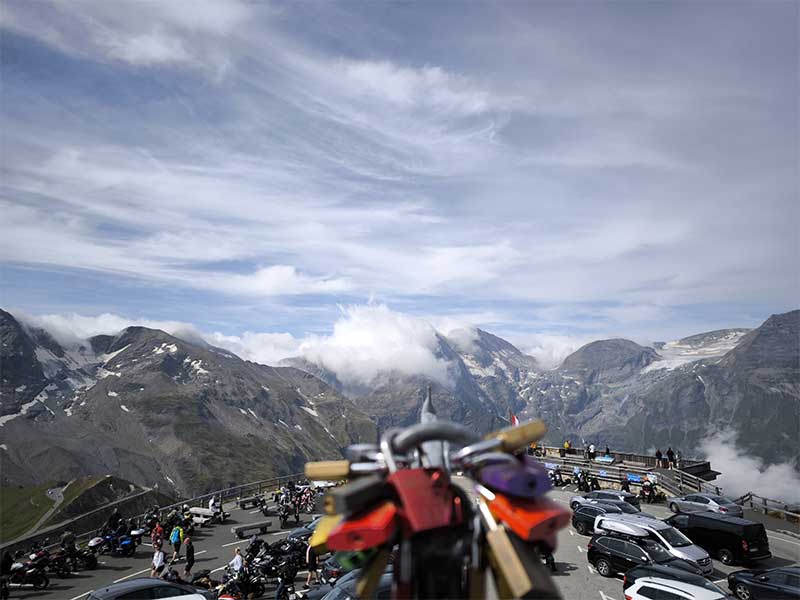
[659, 458]
[158, 560]
[188, 547]
[237, 562]
[176, 539]
[592, 452]
[311, 561]
[156, 534]
[670, 458]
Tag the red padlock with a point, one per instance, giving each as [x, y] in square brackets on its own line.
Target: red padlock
[367, 529]
[530, 520]
[426, 500]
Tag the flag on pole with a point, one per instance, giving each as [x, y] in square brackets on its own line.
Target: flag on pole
[514, 419]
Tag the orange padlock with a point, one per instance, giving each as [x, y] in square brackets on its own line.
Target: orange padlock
[531, 520]
[366, 529]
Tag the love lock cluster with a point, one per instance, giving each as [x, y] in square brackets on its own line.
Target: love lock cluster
[459, 516]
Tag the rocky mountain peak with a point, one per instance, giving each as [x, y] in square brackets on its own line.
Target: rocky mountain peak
[608, 359]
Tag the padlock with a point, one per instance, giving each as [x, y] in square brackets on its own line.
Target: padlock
[544, 587]
[426, 500]
[370, 577]
[356, 495]
[522, 478]
[530, 520]
[367, 529]
[510, 573]
[319, 538]
[351, 561]
[335, 470]
[514, 438]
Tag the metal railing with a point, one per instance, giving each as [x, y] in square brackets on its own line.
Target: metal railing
[770, 506]
[645, 460]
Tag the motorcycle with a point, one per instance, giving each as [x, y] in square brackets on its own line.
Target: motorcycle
[28, 574]
[112, 544]
[283, 515]
[203, 580]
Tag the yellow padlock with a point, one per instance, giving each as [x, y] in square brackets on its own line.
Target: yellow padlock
[514, 438]
[323, 529]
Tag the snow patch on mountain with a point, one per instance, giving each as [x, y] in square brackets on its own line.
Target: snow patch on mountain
[710, 345]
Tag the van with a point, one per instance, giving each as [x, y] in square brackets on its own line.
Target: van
[732, 540]
[660, 532]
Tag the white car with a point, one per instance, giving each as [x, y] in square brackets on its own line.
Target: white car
[648, 588]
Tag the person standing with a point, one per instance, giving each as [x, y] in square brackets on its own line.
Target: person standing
[592, 452]
[311, 561]
[670, 457]
[659, 458]
[158, 560]
[176, 539]
[188, 547]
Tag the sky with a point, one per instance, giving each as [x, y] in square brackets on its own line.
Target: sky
[269, 173]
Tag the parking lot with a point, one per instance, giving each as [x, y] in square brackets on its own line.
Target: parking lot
[215, 545]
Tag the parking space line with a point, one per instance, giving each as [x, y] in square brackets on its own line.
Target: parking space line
[233, 543]
[782, 539]
[131, 575]
[580, 549]
[571, 532]
[82, 595]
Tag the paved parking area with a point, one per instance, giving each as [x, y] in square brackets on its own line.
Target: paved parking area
[215, 545]
[578, 580]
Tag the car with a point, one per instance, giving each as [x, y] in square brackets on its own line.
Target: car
[700, 502]
[603, 496]
[323, 590]
[304, 531]
[347, 590]
[147, 588]
[677, 544]
[623, 506]
[783, 582]
[731, 539]
[584, 515]
[613, 554]
[649, 588]
[666, 570]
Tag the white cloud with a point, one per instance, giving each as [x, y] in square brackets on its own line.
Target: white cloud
[425, 87]
[72, 328]
[148, 49]
[281, 280]
[743, 473]
[264, 348]
[371, 339]
[549, 350]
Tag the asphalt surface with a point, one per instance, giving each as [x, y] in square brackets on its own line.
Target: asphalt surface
[215, 546]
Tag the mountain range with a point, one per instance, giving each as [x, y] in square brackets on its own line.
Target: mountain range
[189, 417]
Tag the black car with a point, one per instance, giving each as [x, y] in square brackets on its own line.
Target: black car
[783, 583]
[583, 517]
[304, 531]
[668, 571]
[731, 539]
[612, 554]
[147, 587]
[347, 590]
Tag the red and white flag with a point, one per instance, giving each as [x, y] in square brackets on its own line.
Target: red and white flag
[514, 419]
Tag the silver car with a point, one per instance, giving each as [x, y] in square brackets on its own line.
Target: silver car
[604, 496]
[705, 503]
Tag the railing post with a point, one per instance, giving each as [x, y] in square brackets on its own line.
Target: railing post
[764, 502]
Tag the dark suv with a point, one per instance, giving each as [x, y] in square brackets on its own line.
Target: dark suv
[583, 517]
[781, 583]
[731, 539]
[612, 554]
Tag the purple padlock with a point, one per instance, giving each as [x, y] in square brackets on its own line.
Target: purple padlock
[522, 478]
